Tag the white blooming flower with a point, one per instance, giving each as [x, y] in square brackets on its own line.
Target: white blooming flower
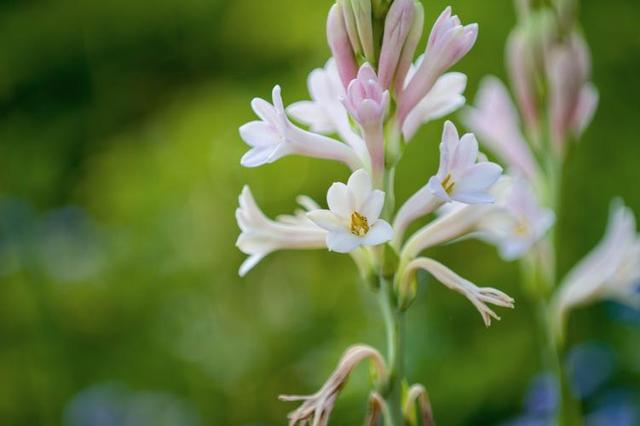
[445, 97]
[353, 216]
[274, 137]
[459, 177]
[610, 271]
[494, 119]
[519, 224]
[478, 296]
[261, 236]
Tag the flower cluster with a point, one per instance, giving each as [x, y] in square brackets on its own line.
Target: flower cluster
[366, 103]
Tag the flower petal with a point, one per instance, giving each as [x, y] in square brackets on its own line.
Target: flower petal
[372, 206]
[342, 241]
[259, 134]
[435, 186]
[256, 157]
[478, 178]
[359, 185]
[466, 153]
[380, 232]
[340, 200]
[326, 219]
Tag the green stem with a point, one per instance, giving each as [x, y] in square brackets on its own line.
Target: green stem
[394, 324]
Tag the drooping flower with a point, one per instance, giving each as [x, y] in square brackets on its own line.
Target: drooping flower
[353, 218]
[316, 409]
[459, 177]
[495, 120]
[402, 31]
[519, 224]
[478, 296]
[261, 236]
[610, 271]
[448, 43]
[445, 97]
[274, 137]
[325, 112]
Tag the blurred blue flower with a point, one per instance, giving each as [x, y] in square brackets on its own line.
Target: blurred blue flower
[589, 365]
[617, 407]
[543, 395]
[113, 404]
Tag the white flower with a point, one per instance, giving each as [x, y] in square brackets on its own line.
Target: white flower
[610, 271]
[520, 224]
[261, 235]
[353, 216]
[494, 119]
[274, 137]
[445, 97]
[325, 113]
[478, 296]
[459, 177]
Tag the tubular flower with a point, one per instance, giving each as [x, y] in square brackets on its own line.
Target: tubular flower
[366, 99]
[445, 97]
[459, 177]
[610, 271]
[325, 113]
[448, 43]
[274, 137]
[478, 296]
[519, 224]
[495, 120]
[316, 409]
[353, 216]
[261, 236]
[340, 45]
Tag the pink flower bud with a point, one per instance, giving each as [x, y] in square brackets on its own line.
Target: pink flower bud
[448, 43]
[522, 72]
[340, 45]
[397, 28]
[366, 99]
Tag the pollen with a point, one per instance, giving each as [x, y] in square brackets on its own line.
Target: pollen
[359, 225]
[448, 184]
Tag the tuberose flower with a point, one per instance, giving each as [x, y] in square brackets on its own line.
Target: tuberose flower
[366, 99]
[459, 177]
[610, 271]
[519, 224]
[494, 119]
[353, 216]
[448, 43]
[340, 45]
[325, 112]
[274, 137]
[261, 236]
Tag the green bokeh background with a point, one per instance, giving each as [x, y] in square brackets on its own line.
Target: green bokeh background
[119, 176]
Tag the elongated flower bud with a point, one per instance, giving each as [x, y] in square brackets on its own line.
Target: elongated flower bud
[448, 43]
[397, 28]
[340, 45]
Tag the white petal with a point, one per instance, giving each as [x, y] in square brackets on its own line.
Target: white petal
[435, 186]
[379, 233]
[476, 182]
[360, 186]
[372, 206]
[256, 157]
[259, 134]
[340, 200]
[450, 136]
[250, 263]
[327, 220]
[311, 114]
[264, 110]
[342, 242]
[466, 153]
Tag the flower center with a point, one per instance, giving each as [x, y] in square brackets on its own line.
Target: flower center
[359, 225]
[448, 184]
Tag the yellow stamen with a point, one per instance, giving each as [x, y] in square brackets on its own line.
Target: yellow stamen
[359, 224]
[448, 184]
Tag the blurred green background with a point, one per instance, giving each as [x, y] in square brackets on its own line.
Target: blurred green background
[119, 174]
